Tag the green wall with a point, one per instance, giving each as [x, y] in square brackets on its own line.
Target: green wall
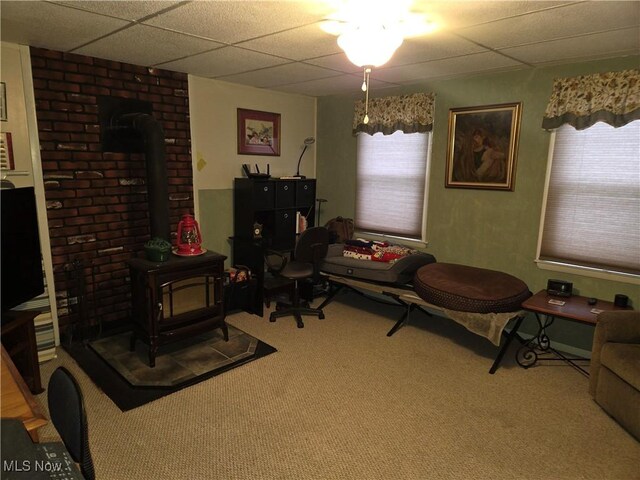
[216, 220]
[488, 229]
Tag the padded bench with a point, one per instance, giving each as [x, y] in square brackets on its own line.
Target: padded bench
[482, 300]
[470, 289]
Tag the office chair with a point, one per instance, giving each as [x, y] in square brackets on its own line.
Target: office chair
[66, 408]
[311, 247]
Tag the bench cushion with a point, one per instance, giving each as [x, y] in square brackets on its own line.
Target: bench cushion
[470, 289]
[398, 272]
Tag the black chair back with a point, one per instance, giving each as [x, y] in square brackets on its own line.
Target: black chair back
[66, 408]
[312, 245]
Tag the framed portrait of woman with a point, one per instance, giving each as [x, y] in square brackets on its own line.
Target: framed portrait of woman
[483, 146]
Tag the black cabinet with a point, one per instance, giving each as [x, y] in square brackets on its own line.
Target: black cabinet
[276, 205]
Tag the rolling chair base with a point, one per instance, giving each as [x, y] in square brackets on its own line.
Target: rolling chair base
[297, 312]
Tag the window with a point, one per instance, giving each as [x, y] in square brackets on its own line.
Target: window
[391, 183]
[591, 217]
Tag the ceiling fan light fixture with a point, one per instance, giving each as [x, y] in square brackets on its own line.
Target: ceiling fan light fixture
[369, 45]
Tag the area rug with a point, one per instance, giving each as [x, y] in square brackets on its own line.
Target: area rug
[129, 381]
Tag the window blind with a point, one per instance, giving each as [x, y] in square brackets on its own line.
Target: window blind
[390, 183]
[592, 215]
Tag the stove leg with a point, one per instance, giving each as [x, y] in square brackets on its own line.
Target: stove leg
[225, 331]
[152, 356]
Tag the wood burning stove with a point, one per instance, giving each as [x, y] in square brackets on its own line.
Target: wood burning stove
[176, 299]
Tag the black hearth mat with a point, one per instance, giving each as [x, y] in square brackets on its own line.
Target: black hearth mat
[129, 381]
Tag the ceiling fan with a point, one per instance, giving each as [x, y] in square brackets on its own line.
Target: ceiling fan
[370, 31]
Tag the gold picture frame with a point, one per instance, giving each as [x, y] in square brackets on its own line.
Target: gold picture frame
[482, 146]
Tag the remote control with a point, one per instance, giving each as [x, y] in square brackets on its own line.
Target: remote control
[553, 301]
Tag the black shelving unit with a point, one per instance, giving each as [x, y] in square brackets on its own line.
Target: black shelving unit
[274, 204]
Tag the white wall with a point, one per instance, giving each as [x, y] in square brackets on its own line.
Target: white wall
[213, 109]
[23, 125]
[16, 124]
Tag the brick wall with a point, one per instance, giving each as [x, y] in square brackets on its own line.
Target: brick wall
[97, 201]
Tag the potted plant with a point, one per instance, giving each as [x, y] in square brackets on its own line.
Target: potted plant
[157, 249]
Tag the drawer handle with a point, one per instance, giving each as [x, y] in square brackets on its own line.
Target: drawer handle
[286, 187]
[306, 187]
[286, 215]
[266, 189]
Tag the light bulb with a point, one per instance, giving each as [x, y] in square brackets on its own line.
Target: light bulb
[371, 45]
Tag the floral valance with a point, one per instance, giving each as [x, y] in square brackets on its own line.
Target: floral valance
[612, 97]
[409, 113]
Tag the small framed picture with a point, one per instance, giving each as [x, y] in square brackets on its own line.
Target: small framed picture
[3, 101]
[258, 132]
[482, 147]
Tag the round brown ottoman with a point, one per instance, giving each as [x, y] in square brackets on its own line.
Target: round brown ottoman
[469, 289]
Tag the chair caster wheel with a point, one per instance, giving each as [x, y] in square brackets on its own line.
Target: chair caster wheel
[321, 316]
[272, 319]
[301, 325]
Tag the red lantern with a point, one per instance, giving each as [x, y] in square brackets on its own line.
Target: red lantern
[189, 238]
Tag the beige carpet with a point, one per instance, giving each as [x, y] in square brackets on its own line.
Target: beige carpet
[341, 400]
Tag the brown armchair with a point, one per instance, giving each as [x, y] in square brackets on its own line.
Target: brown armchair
[615, 367]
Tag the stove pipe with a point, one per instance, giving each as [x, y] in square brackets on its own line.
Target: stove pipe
[157, 184]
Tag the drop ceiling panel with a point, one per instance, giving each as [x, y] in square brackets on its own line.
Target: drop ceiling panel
[432, 47]
[281, 75]
[554, 24]
[468, 64]
[453, 14]
[231, 22]
[52, 26]
[297, 44]
[625, 42]
[279, 44]
[144, 45]
[331, 86]
[224, 61]
[338, 62]
[120, 9]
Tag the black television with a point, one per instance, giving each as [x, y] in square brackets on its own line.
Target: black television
[21, 267]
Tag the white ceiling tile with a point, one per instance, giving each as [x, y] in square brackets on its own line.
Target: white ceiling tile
[554, 24]
[297, 44]
[231, 22]
[281, 75]
[56, 27]
[625, 42]
[338, 62]
[331, 86]
[224, 61]
[432, 47]
[120, 9]
[468, 64]
[272, 34]
[453, 14]
[144, 45]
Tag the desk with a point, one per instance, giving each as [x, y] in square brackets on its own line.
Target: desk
[24, 460]
[575, 308]
[16, 400]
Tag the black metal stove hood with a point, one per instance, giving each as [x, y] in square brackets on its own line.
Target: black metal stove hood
[128, 126]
